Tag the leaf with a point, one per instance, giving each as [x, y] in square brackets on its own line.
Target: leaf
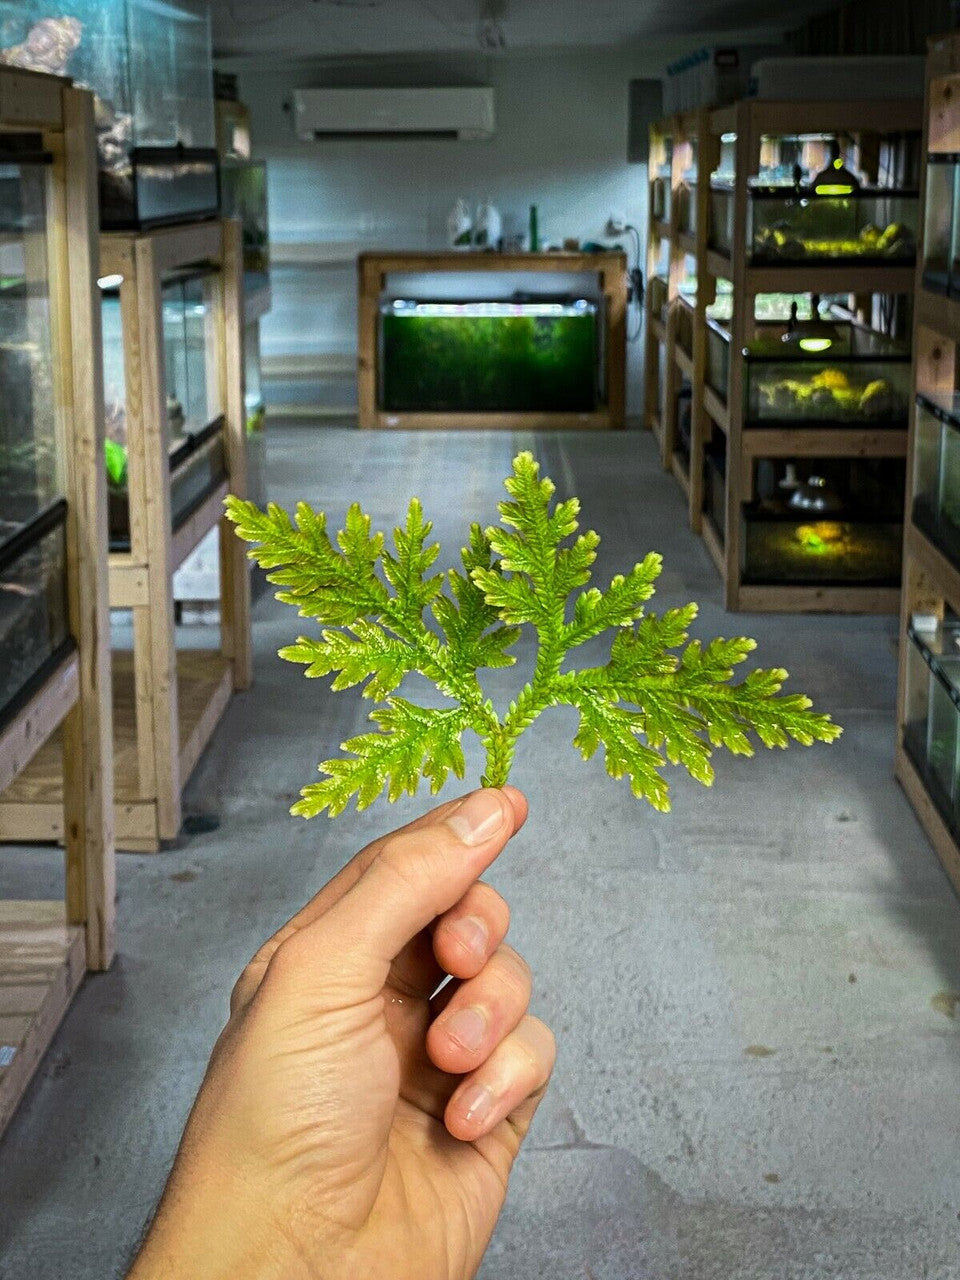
[363, 652]
[617, 731]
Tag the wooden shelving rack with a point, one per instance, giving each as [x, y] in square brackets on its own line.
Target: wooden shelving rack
[47, 946]
[166, 702]
[750, 121]
[931, 577]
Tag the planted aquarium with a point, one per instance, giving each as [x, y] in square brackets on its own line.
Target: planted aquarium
[939, 250]
[791, 224]
[936, 471]
[194, 411]
[827, 373]
[824, 522]
[493, 357]
[243, 191]
[34, 628]
[255, 415]
[932, 713]
[149, 66]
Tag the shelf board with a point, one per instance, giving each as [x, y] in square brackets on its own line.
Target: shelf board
[681, 472]
[811, 599]
[825, 442]
[32, 807]
[717, 410]
[719, 264]
[42, 963]
[934, 563]
[38, 721]
[831, 277]
[714, 546]
[684, 361]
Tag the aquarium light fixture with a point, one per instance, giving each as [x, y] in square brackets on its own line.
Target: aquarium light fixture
[835, 179]
[812, 336]
[110, 282]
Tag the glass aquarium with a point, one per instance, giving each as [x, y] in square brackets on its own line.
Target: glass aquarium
[936, 471]
[718, 358]
[536, 355]
[658, 297]
[938, 221]
[661, 191]
[859, 378]
[194, 417]
[721, 216]
[684, 423]
[715, 486]
[932, 713]
[243, 195]
[34, 626]
[824, 522]
[149, 65]
[684, 322]
[687, 206]
[255, 415]
[790, 224]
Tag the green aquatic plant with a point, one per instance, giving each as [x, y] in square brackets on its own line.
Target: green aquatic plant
[660, 697]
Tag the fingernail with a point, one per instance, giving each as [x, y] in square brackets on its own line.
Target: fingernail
[471, 933]
[468, 1027]
[478, 818]
[476, 1102]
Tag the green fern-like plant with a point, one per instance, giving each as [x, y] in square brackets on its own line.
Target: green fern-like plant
[659, 698]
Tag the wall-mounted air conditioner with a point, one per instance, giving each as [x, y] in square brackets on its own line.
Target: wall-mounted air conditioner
[393, 113]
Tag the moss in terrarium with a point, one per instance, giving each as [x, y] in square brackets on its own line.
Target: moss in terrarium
[822, 552]
[829, 394]
[489, 363]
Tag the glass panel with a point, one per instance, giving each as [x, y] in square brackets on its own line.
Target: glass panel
[204, 402]
[489, 356]
[917, 706]
[658, 297]
[33, 612]
[942, 737]
[685, 325]
[721, 218]
[863, 377]
[175, 362]
[788, 226]
[718, 359]
[824, 521]
[243, 190]
[29, 471]
[938, 220]
[687, 207]
[253, 377]
[715, 485]
[197, 477]
[936, 471]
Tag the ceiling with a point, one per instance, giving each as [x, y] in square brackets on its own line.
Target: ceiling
[357, 28]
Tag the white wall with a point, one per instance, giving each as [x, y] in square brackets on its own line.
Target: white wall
[561, 143]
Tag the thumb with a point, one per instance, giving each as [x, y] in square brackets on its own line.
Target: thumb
[417, 875]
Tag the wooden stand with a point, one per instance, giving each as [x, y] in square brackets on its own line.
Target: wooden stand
[610, 268]
[751, 121]
[166, 704]
[45, 947]
[931, 580]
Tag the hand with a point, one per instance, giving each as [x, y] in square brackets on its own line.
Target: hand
[349, 1126]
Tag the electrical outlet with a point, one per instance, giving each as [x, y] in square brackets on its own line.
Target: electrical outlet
[616, 223]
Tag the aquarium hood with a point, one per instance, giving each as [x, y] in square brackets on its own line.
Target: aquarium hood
[465, 114]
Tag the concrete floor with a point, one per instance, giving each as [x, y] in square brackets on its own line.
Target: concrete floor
[757, 1078]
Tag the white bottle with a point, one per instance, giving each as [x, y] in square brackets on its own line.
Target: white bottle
[460, 226]
[488, 230]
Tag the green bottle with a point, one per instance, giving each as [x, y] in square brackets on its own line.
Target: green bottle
[534, 230]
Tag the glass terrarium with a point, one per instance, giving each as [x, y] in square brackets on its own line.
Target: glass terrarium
[824, 522]
[827, 373]
[194, 411]
[149, 65]
[684, 322]
[489, 356]
[255, 415]
[243, 195]
[791, 224]
[932, 713]
[658, 297]
[715, 486]
[687, 206]
[684, 422]
[721, 216]
[661, 191]
[936, 471]
[34, 626]
[939, 217]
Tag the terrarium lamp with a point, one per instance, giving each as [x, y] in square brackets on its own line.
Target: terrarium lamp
[835, 179]
[816, 496]
[813, 335]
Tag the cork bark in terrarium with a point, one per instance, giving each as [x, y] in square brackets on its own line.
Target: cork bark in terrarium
[33, 605]
[493, 357]
[824, 522]
[149, 65]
